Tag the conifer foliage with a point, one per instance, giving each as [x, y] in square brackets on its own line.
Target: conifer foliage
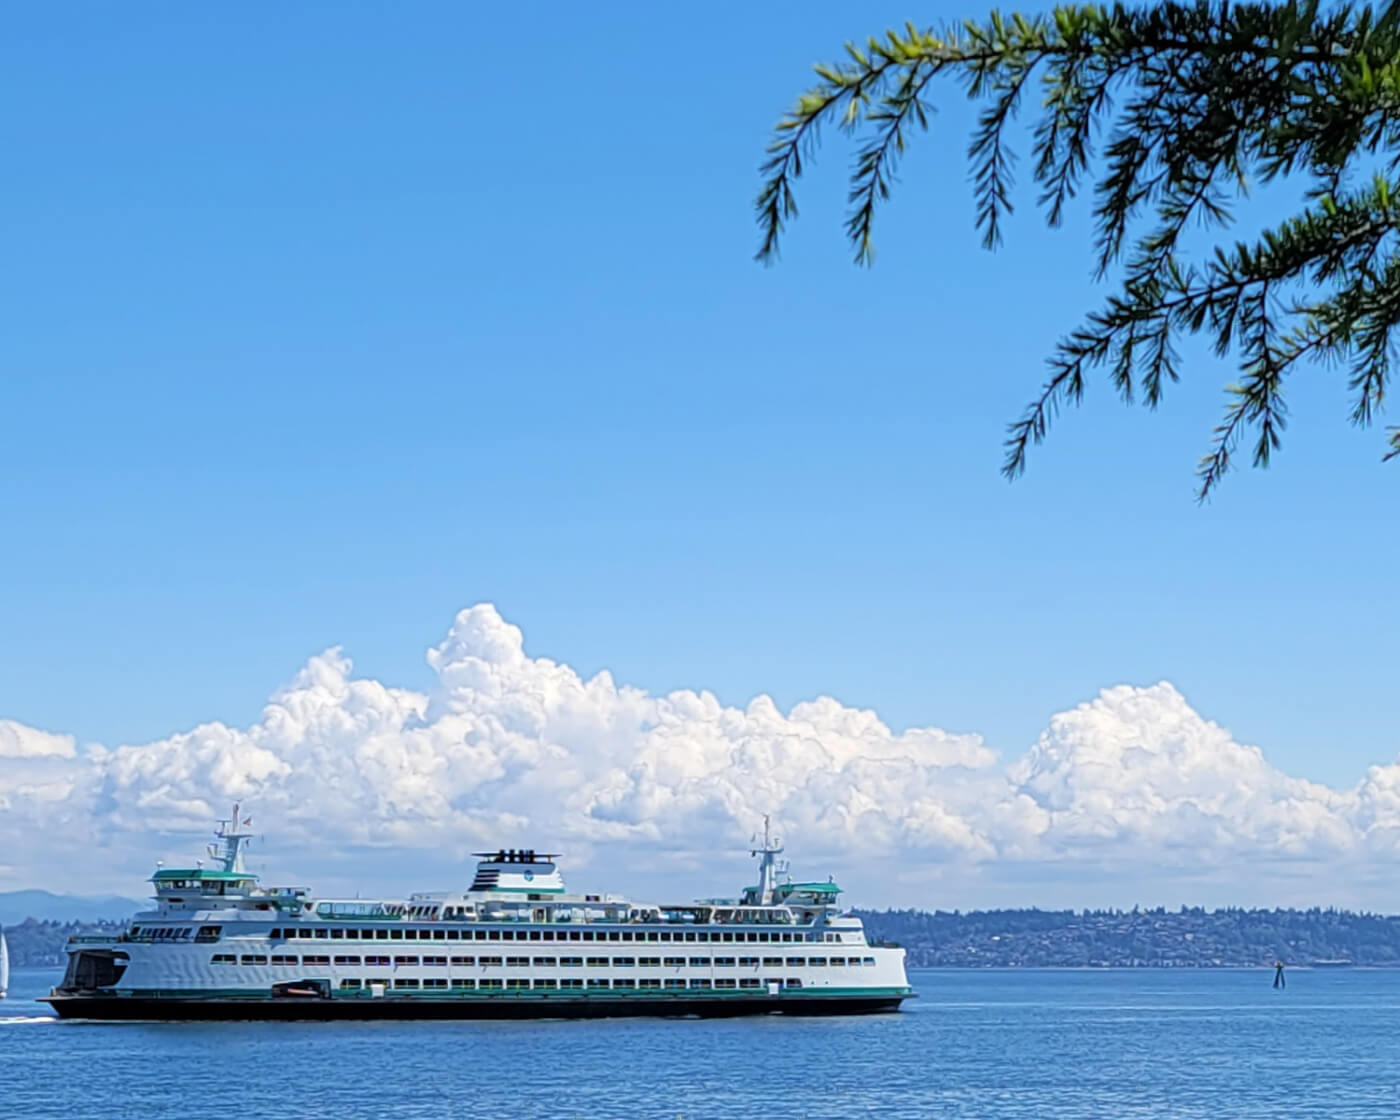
[1166, 113]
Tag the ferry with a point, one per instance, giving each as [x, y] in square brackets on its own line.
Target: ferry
[514, 944]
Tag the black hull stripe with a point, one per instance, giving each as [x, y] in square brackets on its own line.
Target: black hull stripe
[135, 1008]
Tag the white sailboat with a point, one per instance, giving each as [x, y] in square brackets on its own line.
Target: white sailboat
[4, 965]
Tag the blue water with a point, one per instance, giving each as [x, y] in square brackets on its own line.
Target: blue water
[1049, 1045]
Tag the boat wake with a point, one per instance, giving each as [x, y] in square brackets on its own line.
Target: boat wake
[16, 1020]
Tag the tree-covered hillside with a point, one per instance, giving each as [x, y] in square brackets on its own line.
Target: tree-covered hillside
[1187, 938]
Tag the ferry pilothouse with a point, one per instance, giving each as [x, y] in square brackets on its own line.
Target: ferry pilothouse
[514, 944]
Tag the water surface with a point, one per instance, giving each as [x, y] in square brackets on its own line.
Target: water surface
[977, 1044]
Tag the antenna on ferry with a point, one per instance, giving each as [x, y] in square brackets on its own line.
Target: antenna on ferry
[768, 864]
[235, 840]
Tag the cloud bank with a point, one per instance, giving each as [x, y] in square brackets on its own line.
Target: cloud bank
[371, 785]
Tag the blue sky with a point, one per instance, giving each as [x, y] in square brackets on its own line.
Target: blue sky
[326, 322]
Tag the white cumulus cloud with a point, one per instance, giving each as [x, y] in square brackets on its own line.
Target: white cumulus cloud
[356, 777]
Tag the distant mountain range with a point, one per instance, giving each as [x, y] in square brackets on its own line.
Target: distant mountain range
[45, 906]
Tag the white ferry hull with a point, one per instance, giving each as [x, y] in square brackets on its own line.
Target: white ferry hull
[496, 1005]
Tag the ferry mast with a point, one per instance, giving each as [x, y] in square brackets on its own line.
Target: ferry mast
[235, 842]
[769, 866]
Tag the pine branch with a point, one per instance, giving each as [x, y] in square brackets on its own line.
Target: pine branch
[1216, 95]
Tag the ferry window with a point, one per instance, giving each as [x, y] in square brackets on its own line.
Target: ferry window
[349, 983]
[381, 935]
[750, 982]
[284, 961]
[792, 982]
[338, 934]
[570, 962]
[597, 983]
[254, 959]
[400, 961]
[517, 984]
[724, 983]
[869, 960]
[675, 962]
[575, 935]
[315, 960]
[547, 984]
[464, 962]
[728, 936]
[796, 962]
[479, 934]
[493, 935]
[772, 962]
[571, 984]
[382, 981]
[490, 985]
[665, 935]
[348, 960]
[517, 962]
[597, 962]
[816, 962]
[752, 937]
[649, 962]
[724, 962]
[651, 937]
[435, 983]
[370, 962]
[690, 937]
[625, 962]
[545, 962]
[468, 984]
[699, 962]
[699, 983]
[439, 934]
[435, 960]
[396, 935]
[534, 935]
[787, 937]
[748, 962]
[225, 958]
[649, 982]
[624, 983]
[402, 982]
[410, 935]
[675, 983]
[838, 962]
[509, 935]
[323, 934]
[614, 935]
[452, 935]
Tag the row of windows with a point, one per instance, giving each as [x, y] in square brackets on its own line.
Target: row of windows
[653, 983]
[353, 933]
[544, 962]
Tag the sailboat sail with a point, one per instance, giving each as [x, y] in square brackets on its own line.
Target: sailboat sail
[4, 965]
